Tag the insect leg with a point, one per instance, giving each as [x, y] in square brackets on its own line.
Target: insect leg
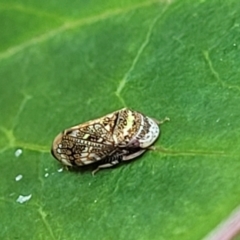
[133, 155]
[106, 165]
[151, 148]
[166, 119]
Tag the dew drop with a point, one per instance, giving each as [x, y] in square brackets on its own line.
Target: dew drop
[46, 174]
[23, 199]
[18, 177]
[60, 170]
[18, 152]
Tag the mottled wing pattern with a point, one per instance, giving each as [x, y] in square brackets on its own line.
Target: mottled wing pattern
[86, 143]
[128, 124]
[134, 129]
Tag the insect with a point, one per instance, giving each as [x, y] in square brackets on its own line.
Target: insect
[119, 136]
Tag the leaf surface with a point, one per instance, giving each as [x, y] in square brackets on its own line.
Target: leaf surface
[63, 64]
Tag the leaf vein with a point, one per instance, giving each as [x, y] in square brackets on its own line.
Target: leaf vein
[216, 74]
[141, 49]
[32, 11]
[20, 110]
[46, 223]
[72, 25]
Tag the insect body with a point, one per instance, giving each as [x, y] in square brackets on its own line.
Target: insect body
[118, 136]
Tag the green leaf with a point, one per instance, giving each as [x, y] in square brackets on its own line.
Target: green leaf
[63, 63]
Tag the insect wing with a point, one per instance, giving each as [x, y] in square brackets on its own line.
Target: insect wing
[86, 143]
[128, 123]
[134, 129]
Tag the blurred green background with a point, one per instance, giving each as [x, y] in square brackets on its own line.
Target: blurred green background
[63, 63]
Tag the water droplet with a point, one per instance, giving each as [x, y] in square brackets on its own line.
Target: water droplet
[18, 152]
[46, 174]
[60, 170]
[23, 199]
[217, 120]
[46, 169]
[95, 200]
[234, 44]
[18, 177]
